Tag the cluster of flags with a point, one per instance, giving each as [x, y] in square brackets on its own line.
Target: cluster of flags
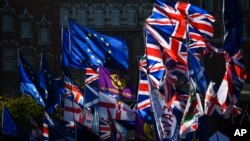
[171, 79]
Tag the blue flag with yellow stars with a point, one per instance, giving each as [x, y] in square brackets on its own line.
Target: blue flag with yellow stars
[71, 57]
[98, 49]
[29, 81]
[48, 82]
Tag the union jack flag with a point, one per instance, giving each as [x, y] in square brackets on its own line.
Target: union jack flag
[91, 87]
[91, 75]
[143, 100]
[212, 105]
[72, 90]
[177, 20]
[47, 121]
[105, 130]
[232, 83]
[72, 111]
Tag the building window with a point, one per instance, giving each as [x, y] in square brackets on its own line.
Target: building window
[7, 24]
[81, 17]
[115, 17]
[26, 30]
[132, 19]
[98, 17]
[9, 60]
[44, 36]
[64, 14]
[28, 55]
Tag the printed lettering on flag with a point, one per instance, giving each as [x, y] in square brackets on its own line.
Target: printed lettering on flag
[114, 84]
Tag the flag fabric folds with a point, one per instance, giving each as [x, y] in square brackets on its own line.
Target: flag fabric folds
[118, 109]
[51, 86]
[197, 72]
[98, 49]
[9, 126]
[193, 111]
[30, 81]
[233, 26]
[235, 75]
[114, 84]
[71, 57]
[72, 91]
[165, 120]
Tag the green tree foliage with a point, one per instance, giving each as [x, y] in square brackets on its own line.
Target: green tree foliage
[23, 108]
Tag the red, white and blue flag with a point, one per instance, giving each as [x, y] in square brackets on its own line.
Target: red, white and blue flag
[91, 87]
[212, 107]
[72, 91]
[175, 19]
[118, 109]
[105, 130]
[165, 120]
[47, 121]
[72, 111]
[143, 100]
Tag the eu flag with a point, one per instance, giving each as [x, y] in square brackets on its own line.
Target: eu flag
[9, 127]
[233, 25]
[30, 82]
[98, 49]
[71, 57]
[48, 82]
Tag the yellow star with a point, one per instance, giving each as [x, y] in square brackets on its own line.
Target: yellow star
[89, 35]
[109, 51]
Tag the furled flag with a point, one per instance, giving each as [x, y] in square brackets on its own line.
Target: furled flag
[165, 120]
[30, 81]
[71, 57]
[98, 49]
[192, 113]
[72, 91]
[114, 84]
[47, 121]
[119, 110]
[143, 105]
[51, 87]
[9, 126]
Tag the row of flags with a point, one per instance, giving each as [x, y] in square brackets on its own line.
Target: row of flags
[171, 78]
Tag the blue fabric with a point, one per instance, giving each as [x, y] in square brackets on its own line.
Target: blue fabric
[30, 82]
[98, 49]
[9, 127]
